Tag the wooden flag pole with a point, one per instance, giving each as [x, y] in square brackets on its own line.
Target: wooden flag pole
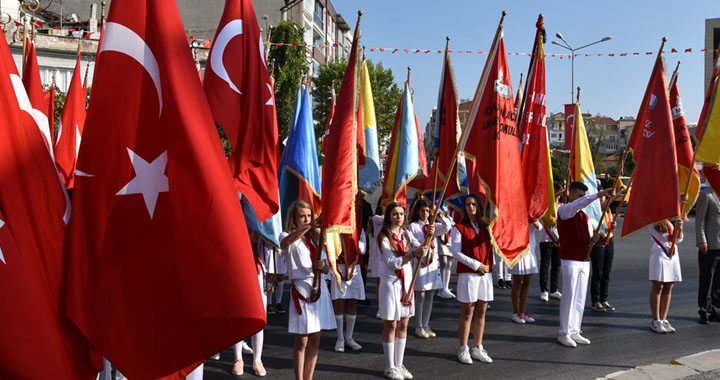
[460, 147]
[436, 164]
[25, 40]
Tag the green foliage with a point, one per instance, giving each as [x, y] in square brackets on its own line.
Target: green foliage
[560, 167]
[59, 105]
[386, 94]
[290, 63]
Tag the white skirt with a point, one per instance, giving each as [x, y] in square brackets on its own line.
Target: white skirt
[473, 287]
[315, 316]
[429, 277]
[664, 269]
[526, 265]
[389, 300]
[444, 249]
[354, 289]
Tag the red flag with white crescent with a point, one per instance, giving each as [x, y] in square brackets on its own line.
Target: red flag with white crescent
[569, 125]
[157, 225]
[69, 133]
[241, 97]
[37, 341]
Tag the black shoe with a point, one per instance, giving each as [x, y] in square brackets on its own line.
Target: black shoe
[501, 284]
[271, 310]
[280, 309]
[703, 319]
[714, 318]
[508, 284]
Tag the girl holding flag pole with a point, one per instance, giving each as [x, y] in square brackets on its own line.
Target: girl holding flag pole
[470, 242]
[307, 318]
[429, 278]
[397, 248]
[664, 273]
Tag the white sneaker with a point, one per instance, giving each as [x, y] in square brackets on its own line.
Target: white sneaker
[339, 345]
[566, 341]
[668, 327]
[517, 318]
[404, 372]
[658, 327]
[353, 344]
[246, 349]
[579, 339]
[544, 296]
[556, 295]
[464, 355]
[394, 374]
[528, 318]
[377, 315]
[215, 357]
[479, 353]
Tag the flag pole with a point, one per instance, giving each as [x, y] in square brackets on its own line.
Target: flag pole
[436, 163]
[25, 35]
[569, 175]
[463, 139]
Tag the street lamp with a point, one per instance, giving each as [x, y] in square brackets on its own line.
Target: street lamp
[567, 46]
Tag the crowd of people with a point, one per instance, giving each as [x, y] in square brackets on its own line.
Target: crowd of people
[573, 256]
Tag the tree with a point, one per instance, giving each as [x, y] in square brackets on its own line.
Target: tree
[386, 95]
[290, 62]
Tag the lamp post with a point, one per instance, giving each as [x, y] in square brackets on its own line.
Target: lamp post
[567, 46]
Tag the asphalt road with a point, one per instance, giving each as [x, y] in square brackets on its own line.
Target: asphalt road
[620, 340]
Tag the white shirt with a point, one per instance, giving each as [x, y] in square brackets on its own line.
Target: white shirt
[389, 263]
[568, 210]
[297, 258]
[456, 247]
[417, 229]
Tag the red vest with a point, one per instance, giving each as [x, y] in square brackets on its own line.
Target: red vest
[574, 237]
[475, 245]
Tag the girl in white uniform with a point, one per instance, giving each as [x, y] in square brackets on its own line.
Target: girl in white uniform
[397, 249]
[377, 223]
[429, 277]
[664, 273]
[446, 262]
[276, 269]
[354, 290]
[307, 317]
[470, 242]
[521, 273]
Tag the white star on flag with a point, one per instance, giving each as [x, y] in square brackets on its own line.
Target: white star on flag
[270, 101]
[2, 258]
[150, 179]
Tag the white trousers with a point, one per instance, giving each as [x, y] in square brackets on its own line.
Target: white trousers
[575, 275]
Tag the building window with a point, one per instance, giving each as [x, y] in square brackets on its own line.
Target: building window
[612, 147]
[319, 15]
[553, 135]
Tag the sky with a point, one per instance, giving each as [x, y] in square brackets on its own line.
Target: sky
[611, 86]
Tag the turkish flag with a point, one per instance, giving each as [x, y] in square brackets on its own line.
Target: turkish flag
[238, 87]
[494, 142]
[37, 341]
[69, 133]
[38, 99]
[160, 263]
[655, 195]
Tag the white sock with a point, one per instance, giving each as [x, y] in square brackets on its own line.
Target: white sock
[419, 305]
[447, 271]
[427, 307]
[389, 350]
[279, 292]
[238, 350]
[270, 298]
[399, 351]
[350, 326]
[257, 345]
[339, 323]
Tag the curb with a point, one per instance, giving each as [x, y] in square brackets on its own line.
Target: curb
[677, 369]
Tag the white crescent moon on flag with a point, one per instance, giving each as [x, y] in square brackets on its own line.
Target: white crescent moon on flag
[38, 116]
[230, 30]
[124, 40]
[570, 119]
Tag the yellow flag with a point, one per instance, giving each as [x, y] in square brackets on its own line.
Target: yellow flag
[708, 149]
